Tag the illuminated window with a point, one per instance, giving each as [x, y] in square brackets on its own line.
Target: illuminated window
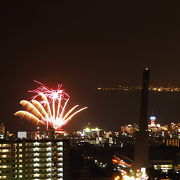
[36, 149]
[49, 148]
[36, 170]
[60, 174]
[36, 159]
[36, 175]
[60, 169]
[49, 154]
[60, 159]
[48, 159]
[5, 145]
[48, 164]
[48, 170]
[36, 154]
[60, 164]
[60, 148]
[36, 165]
[5, 150]
[4, 156]
[36, 143]
[3, 166]
[60, 143]
[3, 177]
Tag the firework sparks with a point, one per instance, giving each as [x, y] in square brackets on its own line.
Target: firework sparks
[48, 106]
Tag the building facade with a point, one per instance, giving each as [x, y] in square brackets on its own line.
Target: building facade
[34, 159]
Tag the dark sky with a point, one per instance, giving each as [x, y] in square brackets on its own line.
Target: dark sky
[86, 43]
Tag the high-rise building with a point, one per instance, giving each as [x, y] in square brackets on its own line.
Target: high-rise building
[34, 159]
[152, 120]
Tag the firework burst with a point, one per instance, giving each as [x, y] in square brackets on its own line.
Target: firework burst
[48, 107]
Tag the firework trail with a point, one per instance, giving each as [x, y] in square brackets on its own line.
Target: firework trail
[48, 107]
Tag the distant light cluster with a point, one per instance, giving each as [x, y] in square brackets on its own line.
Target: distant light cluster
[137, 88]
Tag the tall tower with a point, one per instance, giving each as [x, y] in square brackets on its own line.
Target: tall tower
[141, 144]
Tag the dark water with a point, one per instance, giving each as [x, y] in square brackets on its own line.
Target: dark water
[110, 110]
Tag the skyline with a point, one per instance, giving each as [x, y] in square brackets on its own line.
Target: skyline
[85, 44]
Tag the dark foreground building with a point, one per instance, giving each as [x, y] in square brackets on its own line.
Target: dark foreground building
[34, 159]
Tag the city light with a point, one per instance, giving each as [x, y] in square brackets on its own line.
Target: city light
[117, 178]
[138, 88]
[48, 107]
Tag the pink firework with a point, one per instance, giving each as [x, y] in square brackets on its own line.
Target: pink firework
[51, 94]
[50, 108]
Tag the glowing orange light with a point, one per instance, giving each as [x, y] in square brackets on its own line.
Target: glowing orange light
[117, 178]
[117, 160]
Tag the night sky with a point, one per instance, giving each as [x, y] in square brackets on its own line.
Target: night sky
[83, 44]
